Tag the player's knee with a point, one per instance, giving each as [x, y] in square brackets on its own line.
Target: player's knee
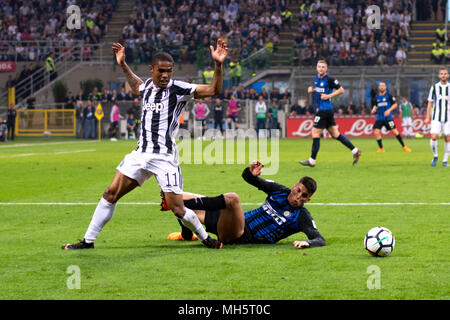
[232, 199]
[110, 195]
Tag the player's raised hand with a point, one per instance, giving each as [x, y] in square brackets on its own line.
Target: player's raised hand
[256, 168]
[311, 89]
[119, 50]
[220, 53]
[301, 244]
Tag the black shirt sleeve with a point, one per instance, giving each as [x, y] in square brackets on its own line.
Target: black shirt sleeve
[374, 101]
[333, 83]
[267, 186]
[307, 226]
[392, 99]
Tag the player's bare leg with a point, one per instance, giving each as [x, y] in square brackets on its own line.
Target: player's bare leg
[104, 211]
[189, 219]
[232, 220]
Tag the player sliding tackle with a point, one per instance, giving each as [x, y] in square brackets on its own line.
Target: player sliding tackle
[282, 214]
[163, 101]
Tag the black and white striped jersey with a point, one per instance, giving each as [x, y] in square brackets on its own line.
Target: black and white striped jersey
[161, 112]
[440, 95]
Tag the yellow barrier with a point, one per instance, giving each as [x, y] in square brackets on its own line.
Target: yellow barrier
[36, 122]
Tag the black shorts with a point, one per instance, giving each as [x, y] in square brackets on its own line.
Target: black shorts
[389, 125]
[324, 119]
[211, 220]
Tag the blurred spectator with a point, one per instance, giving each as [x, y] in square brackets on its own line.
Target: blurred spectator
[115, 120]
[200, 111]
[11, 121]
[273, 115]
[3, 131]
[261, 114]
[89, 121]
[296, 110]
[79, 115]
[217, 108]
[233, 112]
[131, 126]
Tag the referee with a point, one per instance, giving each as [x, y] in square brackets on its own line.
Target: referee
[438, 114]
[324, 118]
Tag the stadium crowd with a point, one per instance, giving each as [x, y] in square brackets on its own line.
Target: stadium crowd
[338, 33]
[187, 28]
[31, 29]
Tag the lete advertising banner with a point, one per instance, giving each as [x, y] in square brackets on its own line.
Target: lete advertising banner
[301, 127]
[7, 66]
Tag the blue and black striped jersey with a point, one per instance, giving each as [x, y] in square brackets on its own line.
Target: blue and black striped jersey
[276, 219]
[383, 103]
[324, 85]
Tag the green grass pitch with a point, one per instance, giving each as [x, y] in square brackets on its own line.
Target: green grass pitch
[133, 259]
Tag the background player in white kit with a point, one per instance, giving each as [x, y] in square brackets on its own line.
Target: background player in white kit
[438, 113]
[163, 101]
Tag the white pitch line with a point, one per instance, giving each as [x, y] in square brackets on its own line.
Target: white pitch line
[244, 204]
[45, 144]
[44, 153]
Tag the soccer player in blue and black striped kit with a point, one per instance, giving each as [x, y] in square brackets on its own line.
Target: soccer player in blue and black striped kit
[383, 105]
[324, 118]
[282, 214]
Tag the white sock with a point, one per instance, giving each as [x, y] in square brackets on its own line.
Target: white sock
[446, 151]
[355, 150]
[312, 161]
[434, 148]
[102, 214]
[191, 221]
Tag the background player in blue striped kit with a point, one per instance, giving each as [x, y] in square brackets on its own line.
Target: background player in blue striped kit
[324, 119]
[383, 105]
[282, 214]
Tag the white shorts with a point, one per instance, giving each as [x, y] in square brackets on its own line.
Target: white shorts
[438, 127]
[141, 166]
[407, 121]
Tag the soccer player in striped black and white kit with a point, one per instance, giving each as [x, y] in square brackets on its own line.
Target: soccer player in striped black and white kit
[438, 113]
[163, 101]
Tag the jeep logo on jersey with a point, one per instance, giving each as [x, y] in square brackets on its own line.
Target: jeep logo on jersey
[151, 106]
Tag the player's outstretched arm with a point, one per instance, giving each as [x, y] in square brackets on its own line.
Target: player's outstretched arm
[251, 176]
[219, 54]
[133, 80]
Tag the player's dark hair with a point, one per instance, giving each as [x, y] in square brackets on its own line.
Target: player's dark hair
[309, 184]
[161, 56]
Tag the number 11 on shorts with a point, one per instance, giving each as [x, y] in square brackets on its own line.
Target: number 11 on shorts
[168, 180]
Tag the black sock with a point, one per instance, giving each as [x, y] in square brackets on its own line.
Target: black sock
[380, 143]
[399, 138]
[206, 203]
[346, 142]
[315, 148]
[186, 233]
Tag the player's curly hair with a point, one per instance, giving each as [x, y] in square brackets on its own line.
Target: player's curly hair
[309, 184]
[162, 56]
